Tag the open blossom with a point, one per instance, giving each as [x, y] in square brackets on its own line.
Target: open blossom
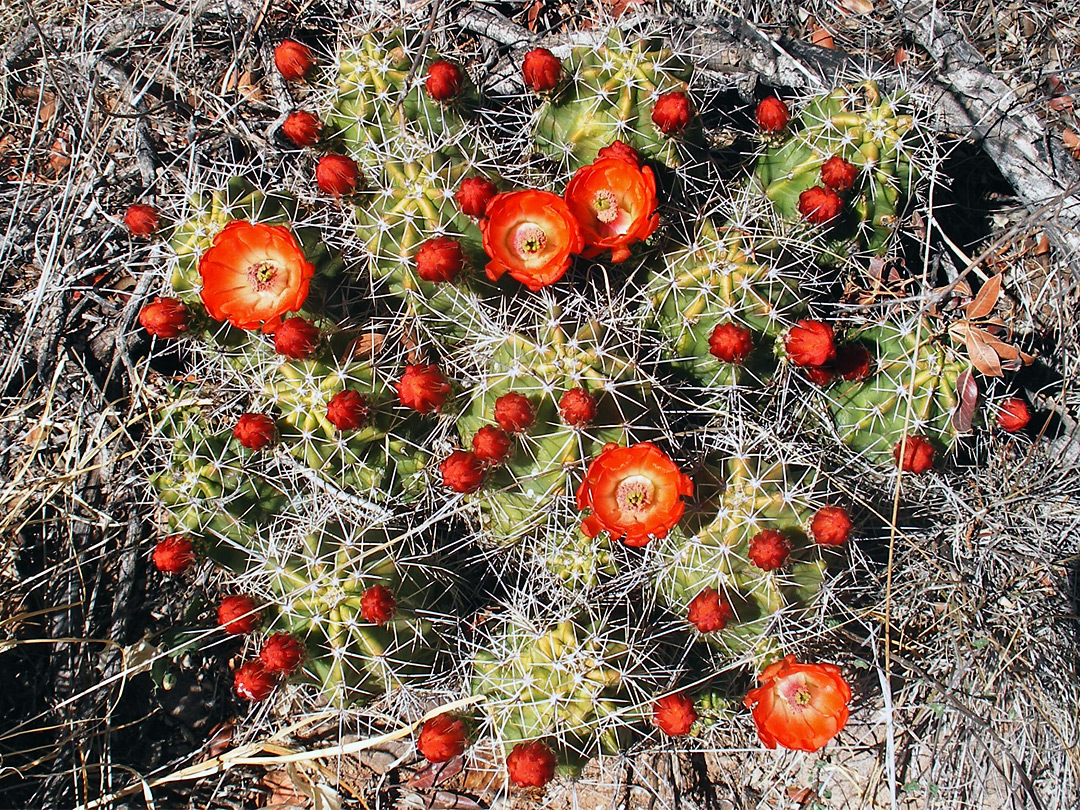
[634, 494]
[799, 706]
[614, 202]
[531, 235]
[253, 274]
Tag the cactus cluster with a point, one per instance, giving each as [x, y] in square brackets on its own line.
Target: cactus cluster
[511, 382]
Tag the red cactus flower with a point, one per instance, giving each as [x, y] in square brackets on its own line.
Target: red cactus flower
[577, 408]
[731, 343]
[675, 714]
[377, 605]
[799, 706]
[293, 60]
[474, 194]
[252, 681]
[709, 612]
[918, 454]
[1013, 415]
[772, 115]
[634, 494]
[831, 526]
[281, 654]
[810, 343]
[838, 174]
[462, 471]
[174, 554]
[256, 431]
[302, 128]
[614, 202]
[852, 362]
[620, 150]
[164, 317]
[348, 410]
[238, 614]
[531, 235]
[439, 259]
[514, 412]
[141, 220]
[296, 338]
[671, 112]
[491, 445]
[820, 205]
[423, 388]
[442, 738]
[337, 174]
[541, 69]
[769, 550]
[253, 274]
[444, 81]
[531, 764]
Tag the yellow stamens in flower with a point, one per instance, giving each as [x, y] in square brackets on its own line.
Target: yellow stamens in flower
[606, 206]
[261, 275]
[530, 239]
[634, 494]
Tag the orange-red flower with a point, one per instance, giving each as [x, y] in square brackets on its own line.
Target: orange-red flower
[164, 317]
[709, 612]
[577, 407]
[141, 220]
[442, 738]
[799, 706]
[838, 174]
[238, 614]
[302, 128]
[281, 654]
[634, 493]
[772, 115]
[474, 194]
[531, 764]
[614, 202]
[174, 554]
[914, 454]
[769, 550]
[1013, 415]
[531, 235]
[831, 526]
[731, 343]
[810, 343]
[378, 605]
[675, 714]
[252, 681]
[337, 174]
[820, 205]
[444, 80]
[253, 274]
[671, 113]
[348, 410]
[491, 445]
[514, 412]
[541, 69]
[293, 59]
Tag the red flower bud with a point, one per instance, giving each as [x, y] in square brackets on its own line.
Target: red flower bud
[838, 174]
[709, 611]
[820, 375]
[337, 174]
[348, 410]
[293, 60]
[252, 682]
[853, 362]
[671, 112]
[462, 471]
[810, 343]
[164, 317]
[439, 259]
[769, 550]
[1013, 415]
[442, 738]
[531, 764]
[237, 614]
[474, 194]
[444, 81]
[620, 150]
[141, 220]
[377, 605]
[772, 115]
[831, 526]
[491, 445]
[281, 654]
[918, 454]
[296, 338]
[577, 407]
[675, 714]
[820, 205]
[255, 431]
[302, 128]
[731, 343]
[541, 69]
[174, 554]
[423, 388]
[514, 412]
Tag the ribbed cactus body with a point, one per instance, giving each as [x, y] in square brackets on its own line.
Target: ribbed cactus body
[911, 390]
[717, 278]
[531, 490]
[711, 550]
[607, 94]
[866, 128]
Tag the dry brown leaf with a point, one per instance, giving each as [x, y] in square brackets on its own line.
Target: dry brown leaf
[1061, 103]
[1042, 247]
[861, 7]
[47, 111]
[58, 156]
[283, 791]
[436, 773]
[1072, 142]
[982, 356]
[983, 304]
[900, 55]
[822, 38]
[967, 395]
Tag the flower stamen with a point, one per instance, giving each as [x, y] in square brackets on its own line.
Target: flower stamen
[529, 239]
[606, 206]
[635, 494]
[261, 275]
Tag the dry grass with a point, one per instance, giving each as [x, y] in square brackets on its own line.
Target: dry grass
[962, 620]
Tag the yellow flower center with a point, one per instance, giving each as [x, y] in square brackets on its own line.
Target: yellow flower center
[606, 206]
[530, 239]
[261, 275]
[635, 494]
